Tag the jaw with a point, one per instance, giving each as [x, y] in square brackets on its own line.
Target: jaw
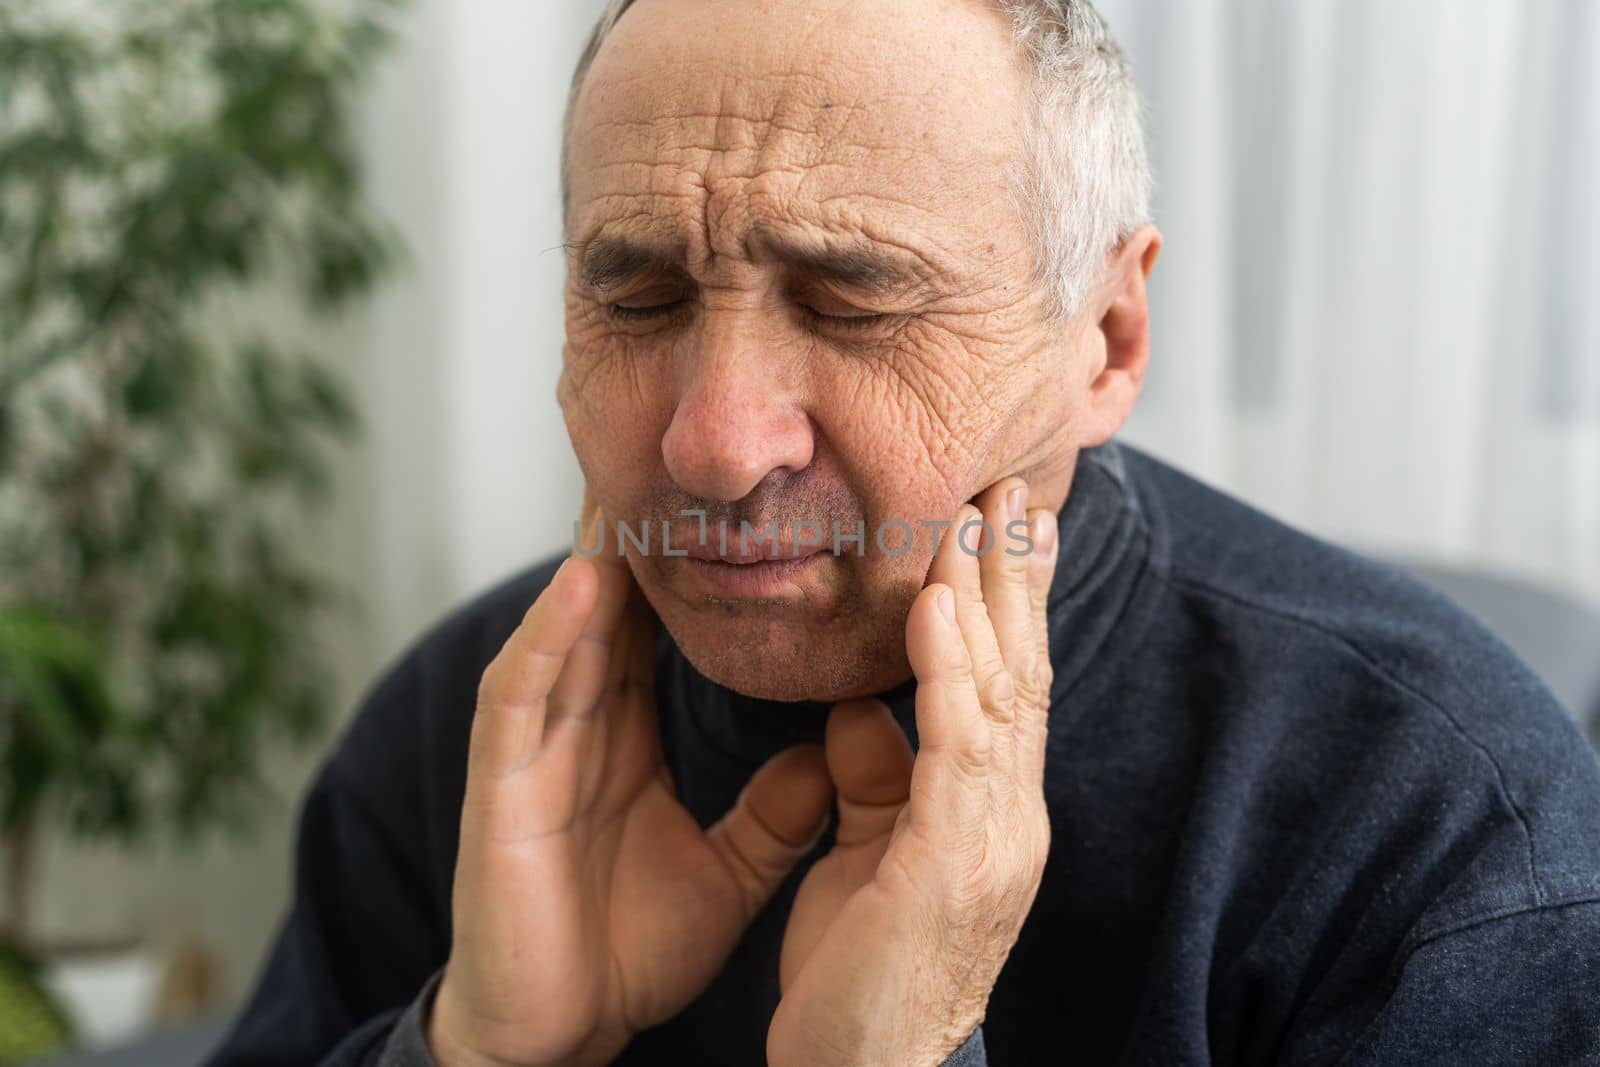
[771, 654]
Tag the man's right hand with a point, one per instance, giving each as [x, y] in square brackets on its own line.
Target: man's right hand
[588, 903]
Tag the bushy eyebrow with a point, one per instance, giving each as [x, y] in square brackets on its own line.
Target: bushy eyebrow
[606, 261]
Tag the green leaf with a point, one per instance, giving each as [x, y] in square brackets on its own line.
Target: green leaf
[326, 399]
[53, 680]
[153, 389]
[167, 155]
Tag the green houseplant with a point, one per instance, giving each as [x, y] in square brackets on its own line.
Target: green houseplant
[162, 164]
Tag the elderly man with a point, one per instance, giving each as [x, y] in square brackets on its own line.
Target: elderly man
[1042, 752]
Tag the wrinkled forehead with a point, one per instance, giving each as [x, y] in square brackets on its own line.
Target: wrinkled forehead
[708, 121]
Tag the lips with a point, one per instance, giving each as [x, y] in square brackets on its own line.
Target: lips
[756, 552]
[754, 567]
[768, 580]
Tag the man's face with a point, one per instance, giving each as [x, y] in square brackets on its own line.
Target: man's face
[799, 291]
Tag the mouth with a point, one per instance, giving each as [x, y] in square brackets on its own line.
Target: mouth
[764, 571]
[758, 552]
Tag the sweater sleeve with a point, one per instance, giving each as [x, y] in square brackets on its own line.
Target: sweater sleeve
[971, 1053]
[353, 956]
[1507, 990]
[407, 1045]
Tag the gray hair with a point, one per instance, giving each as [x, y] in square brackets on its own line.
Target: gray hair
[1085, 183]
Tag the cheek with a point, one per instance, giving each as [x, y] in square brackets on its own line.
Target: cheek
[888, 424]
[996, 404]
[1045, 415]
[615, 418]
[931, 406]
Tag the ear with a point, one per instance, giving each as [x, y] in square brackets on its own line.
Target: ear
[1122, 342]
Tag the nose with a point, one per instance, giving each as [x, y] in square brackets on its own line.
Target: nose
[737, 420]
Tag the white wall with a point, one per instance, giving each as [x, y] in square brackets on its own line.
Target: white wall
[472, 473]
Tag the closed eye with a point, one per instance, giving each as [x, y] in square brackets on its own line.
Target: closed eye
[642, 314]
[846, 323]
[840, 323]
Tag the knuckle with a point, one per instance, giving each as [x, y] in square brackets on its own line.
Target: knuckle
[966, 756]
[1000, 692]
[1032, 686]
[971, 888]
[1014, 894]
[1036, 850]
[993, 888]
[968, 584]
[1039, 601]
[970, 759]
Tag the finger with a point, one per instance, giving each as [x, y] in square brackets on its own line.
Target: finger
[973, 541]
[605, 651]
[870, 761]
[513, 692]
[1016, 588]
[1004, 573]
[949, 780]
[1033, 735]
[777, 819]
[958, 566]
[615, 725]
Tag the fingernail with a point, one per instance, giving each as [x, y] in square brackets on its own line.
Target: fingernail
[972, 536]
[947, 605]
[1045, 537]
[1017, 502]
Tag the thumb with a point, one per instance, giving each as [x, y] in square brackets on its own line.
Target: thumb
[870, 760]
[777, 819]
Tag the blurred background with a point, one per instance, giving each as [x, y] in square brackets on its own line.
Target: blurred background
[280, 323]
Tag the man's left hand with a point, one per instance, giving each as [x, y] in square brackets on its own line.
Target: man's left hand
[898, 934]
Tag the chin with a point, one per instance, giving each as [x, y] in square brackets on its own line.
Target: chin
[791, 668]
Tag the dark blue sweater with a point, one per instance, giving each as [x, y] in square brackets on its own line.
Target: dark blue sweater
[1304, 811]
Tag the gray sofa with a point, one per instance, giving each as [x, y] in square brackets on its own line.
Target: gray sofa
[1556, 634]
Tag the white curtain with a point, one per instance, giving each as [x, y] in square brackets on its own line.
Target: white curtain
[1377, 316]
